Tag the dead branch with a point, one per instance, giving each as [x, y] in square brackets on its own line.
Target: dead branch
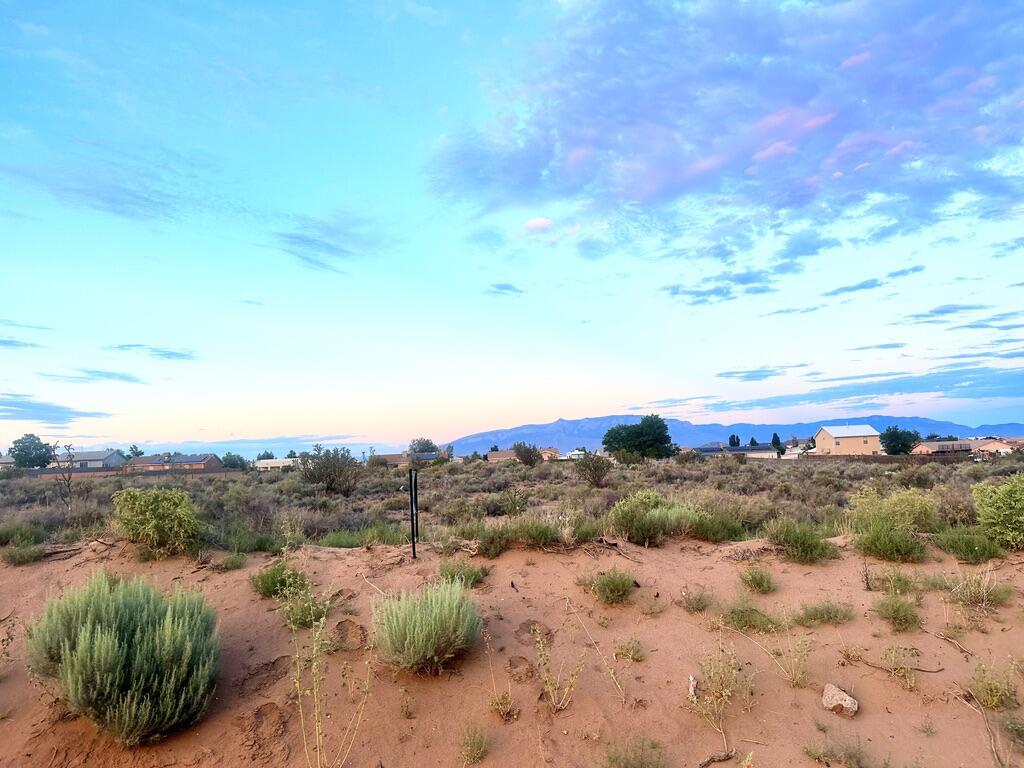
[718, 757]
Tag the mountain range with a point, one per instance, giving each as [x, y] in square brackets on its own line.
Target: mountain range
[567, 434]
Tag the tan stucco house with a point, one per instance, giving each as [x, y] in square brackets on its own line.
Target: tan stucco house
[848, 440]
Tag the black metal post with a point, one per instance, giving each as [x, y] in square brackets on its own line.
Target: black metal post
[413, 525]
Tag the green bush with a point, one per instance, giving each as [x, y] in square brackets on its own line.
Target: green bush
[645, 518]
[137, 663]
[800, 542]
[278, 579]
[968, 545]
[1001, 511]
[233, 562]
[300, 607]
[492, 540]
[585, 528]
[533, 532]
[715, 527]
[377, 533]
[241, 538]
[20, 534]
[826, 612]
[758, 579]
[900, 612]
[463, 571]
[422, 632]
[887, 539]
[22, 554]
[612, 586]
[159, 518]
[742, 615]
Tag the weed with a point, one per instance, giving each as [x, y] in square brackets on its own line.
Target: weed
[715, 527]
[611, 586]
[641, 752]
[792, 660]
[900, 612]
[994, 688]
[741, 615]
[696, 600]
[277, 579]
[893, 582]
[883, 538]
[980, 590]
[758, 579]
[800, 542]
[21, 534]
[558, 691]
[474, 745]
[721, 680]
[22, 554]
[631, 649]
[378, 533]
[162, 519]
[1014, 727]
[968, 544]
[896, 660]
[233, 562]
[928, 727]
[301, 609]
[847, 755]
[825, 612]
[463, 571]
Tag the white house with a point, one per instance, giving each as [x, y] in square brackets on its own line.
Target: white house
[266, 465]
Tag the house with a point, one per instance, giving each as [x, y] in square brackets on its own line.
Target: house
[717, 448]
[941, 447]
[178, 462]
[405, 458]
[266, 465]
[550, 454]
[502, 456]
[848, 440]
[90, 460]
[576, 455]
[6, 461]
[991, 446]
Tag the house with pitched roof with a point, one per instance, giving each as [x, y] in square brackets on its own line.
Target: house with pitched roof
[90, 460]
[848, 440]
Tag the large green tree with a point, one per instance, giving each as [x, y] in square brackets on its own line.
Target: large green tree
[528, 454]
[899, 441]
[335, 468]
[423, 445]
[649, 438]
[29, 451]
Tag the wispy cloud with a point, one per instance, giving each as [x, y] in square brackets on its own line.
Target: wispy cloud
[326, 243]
[504, 289]
[884, 345]
[161, 353]
[24, 326]
[19, 407]
[725, 285]
[863, 285]
[907, 271]
[7, 343]
[89, 375]
[943, 311]
[759, 374]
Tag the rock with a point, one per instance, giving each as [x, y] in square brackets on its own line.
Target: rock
[839, 701]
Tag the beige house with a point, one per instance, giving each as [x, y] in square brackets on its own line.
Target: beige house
[944, 447]
[991, 445]
[848, 440]
[501, 456]
[550, 454]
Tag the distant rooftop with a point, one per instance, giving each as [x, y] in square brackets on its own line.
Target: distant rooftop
[851, 430]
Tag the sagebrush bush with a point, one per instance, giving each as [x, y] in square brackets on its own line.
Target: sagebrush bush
[800, 542]
[968, 545]
[758, 579]
[1001, 511]
[137, 663]
[646, 518]
[611, 586]
[278, 579]
[159, 518]
[715, 526]
[825, 612]
[909, 508]
[887, 539]
[463, 571]
[22, 554]
[900, 612]
[376, 533]
[424, 631]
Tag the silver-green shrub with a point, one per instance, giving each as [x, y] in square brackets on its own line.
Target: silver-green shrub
[137, 663]
[423, 631]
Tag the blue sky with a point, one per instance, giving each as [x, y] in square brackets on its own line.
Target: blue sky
[361, 222]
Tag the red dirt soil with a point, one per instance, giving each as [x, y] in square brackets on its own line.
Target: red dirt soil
[414, 720]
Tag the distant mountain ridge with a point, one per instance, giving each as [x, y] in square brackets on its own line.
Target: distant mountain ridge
[566, 434]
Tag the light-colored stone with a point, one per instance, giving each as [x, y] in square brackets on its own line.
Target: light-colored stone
[839, 701]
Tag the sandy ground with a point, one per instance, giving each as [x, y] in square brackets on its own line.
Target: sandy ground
[419, 721]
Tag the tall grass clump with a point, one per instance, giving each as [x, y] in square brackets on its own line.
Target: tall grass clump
[968, 544]
[463, 572]
[1001, 511]
[137, 663]
[646, 518]
[886, 527]
[900, 612]
[758, 579]
[800, 542]
[715, 526]
[161, 519]
[422, 632]
[611, 586]
[377, 533]
[826, 612]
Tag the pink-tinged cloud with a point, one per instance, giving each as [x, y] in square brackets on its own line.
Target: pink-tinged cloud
[704, 165]
[778, 149]
[983, 83]
[856, 60]
[837, 175]
[776, 119]
[815, 122]
[862, 167]
[539, 224]
[902, 148]
[792, 122]
[982, 134]
[578, 158]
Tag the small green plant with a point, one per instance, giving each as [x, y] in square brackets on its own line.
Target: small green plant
[847, 755]
[758, 579]
[696, 600]
[825, 612]
[162, 519]
[22, 554]
[900, 612]
[800, 542]
[721, 679]
[979, 590]
[631, 649]
[611, 586]
[896, 660]
[377, 533]
[463, 571]
[715, 527]
[968, 545]
[885, 539]
[641, 752]
[742, 615]
[137, 663]
[1014, 727]
[278, 579]
[583, 529]
[792, 658]
[645, 518]
[893, 582]
[474, 745]
[424, 631]
[532, 531]
[1001, 511]
[300, 607]
[493, 540]
[233, 562]
[21, 534]
[994, 688]
[557, 690]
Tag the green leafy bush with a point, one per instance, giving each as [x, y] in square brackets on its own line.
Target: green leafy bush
[463, 571]
[593, 469]
[20, 534]
[758, 579]
[715, 527]
[160, 518]
[900, 612]
[278, 579]
[800, 542]
[22, 554]
[233, 562]
[1001, 511]
[968, 545]
[742, 615]
[646, 518]
[424, 631]
[137, 663]
[611, 586]
[826, 612]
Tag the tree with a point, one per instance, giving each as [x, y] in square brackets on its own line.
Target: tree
[336, 469]
[234, 461]
[899, 441]
[65, 476]
[753, 442]
[423, 445]
[134, 451]
[29, 451]
[734, 441]
[527, 454]
[650, 438]
[937, 436]
[777, 444]
[292, 455]
[263, 455]
[492, 448]
[593, 468]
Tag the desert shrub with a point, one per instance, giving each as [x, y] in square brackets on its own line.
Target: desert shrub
[721, 679]
[474, 745]
[300, 608]
[533, 532]
[742, 615]
[900, 612]
[696, 600]
[137, 663]
[887, 539]
[492, 540]
[376, 533]
[758, 579]
[968, 545]
[513, 502]
[645, 518]
[21, 534]
[334, 468]
[800, 542]
[593, 469]
[631, 649]
[1014, 727]
[584, 529]
[910, 509]
[162, 519]
[22, 554]
[424, 631]
[715, 527]
[463, 571]
[278, 579]
[528, 454]
[892, 581]
[954, 504]
[994, 688]
[1001, 511]
[242, 538]
[233, 562]
[979, 590]
[825, 612]
[641, 752]
[611, 586]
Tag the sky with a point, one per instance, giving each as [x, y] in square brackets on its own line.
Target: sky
[358, 222]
